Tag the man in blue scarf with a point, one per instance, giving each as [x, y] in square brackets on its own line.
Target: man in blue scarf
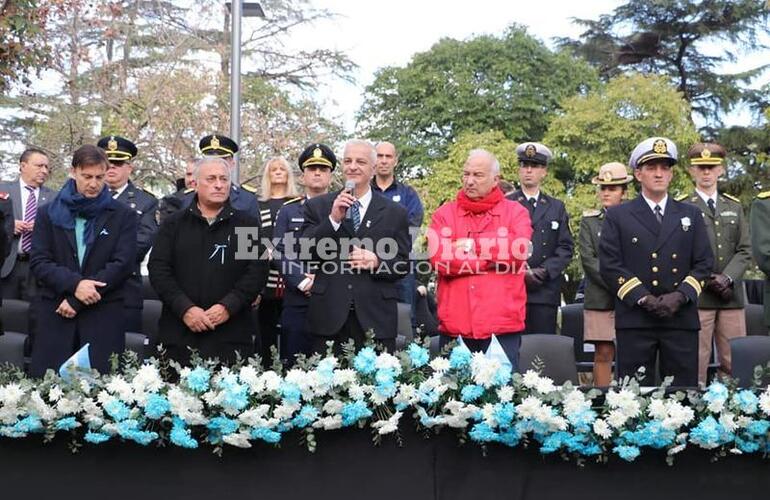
[83, 251]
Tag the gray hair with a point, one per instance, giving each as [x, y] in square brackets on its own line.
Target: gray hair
[489, 156]
[362, 142]
[210, 160]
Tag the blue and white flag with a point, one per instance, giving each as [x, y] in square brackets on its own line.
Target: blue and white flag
[495, 351]
[80, 361]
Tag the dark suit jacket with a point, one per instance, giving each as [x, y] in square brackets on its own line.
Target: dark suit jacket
[373, 294]
[14, 189]
[552, 246]
[638, 256]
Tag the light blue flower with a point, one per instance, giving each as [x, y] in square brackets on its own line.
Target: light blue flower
[306, 416]
[471, 393]
[419, 356]
[265, 434]
[365, 360]
[180, 435]
[353, 412]
[129, 429]
[235, 396]
[66, 424]
[582, 420]
[198, 379]
[222, 426]
[758, 427]
[325, 369]
[627, 453]
[117, 410]
[747, 401]
[460, 357]
[716, 392]
[504, 414]
[483, 433]
[709, 434]
[502, 376]
[554, 442]
[156, 406]
[510, 437]
[96, 437]
[651, 434]
[29, 424]
[747, 446]
[290, 392]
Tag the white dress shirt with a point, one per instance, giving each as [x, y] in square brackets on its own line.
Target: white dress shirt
[363, 201]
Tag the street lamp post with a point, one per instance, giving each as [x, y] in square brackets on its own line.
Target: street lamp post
[238, 10]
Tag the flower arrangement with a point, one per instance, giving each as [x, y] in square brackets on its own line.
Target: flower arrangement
[206, 404]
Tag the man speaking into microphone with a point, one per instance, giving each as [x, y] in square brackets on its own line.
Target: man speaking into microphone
[361, 243]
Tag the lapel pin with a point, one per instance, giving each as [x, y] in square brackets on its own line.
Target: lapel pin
[104, 232]
[368, 224]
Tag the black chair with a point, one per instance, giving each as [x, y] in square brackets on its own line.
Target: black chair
[748, 352]
[150, 316]
[148, 292]
[755, 291]
[12, 348]
[405, 322]
[426, 320]
[755, 319]
[555, 352]
[15, 315]
[572, 326]
[138, 343]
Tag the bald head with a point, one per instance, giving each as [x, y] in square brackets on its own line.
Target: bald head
[387, 159]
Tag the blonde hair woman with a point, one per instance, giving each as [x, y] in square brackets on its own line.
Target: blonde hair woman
[277, 187]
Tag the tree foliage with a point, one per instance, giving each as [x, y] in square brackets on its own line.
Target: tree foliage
[512, 84]
[687, 41]
[22, 23]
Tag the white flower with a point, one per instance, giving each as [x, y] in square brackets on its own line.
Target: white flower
[68, 406]
[386, 361]
[617, 419]
[285, 411]
[407, 395]
[676, 449]
[147, 379]
[764, 401]
[484, 369]
[270, 380]
[505, 394]
[728, 421]
[678, 415]
[657, 409]
[529, 407]
[40, 407]
[716, 405]
[389, 425]
[531, 379]
[188, 408]
[439, 364]
[254, 417]
[602, 429]
[625, 401]
[55, 393]
[356, 392]
[575, 402]
[344, 377]
[333, 406]
[85, 386]
[239, 439]
[545, 385]
[743, 422]
[122, 389]
[11, 394]
[328, 423]
[248, 375]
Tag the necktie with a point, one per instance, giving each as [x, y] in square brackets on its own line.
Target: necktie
[30, 211]
[113, 192]
[658, 215]
[712, 206]
[531, 205]
[356, 214]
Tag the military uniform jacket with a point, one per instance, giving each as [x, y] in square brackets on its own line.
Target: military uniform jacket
[760, 242]
[552, 246]
[728, 232]
[290, 219]
[639, 256]
[597, 294]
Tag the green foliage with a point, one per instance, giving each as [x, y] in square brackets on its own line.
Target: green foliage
[512, 83]
[21, 45]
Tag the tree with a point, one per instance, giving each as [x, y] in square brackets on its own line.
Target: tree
[22, 23]
[512, 84]
[678, 39]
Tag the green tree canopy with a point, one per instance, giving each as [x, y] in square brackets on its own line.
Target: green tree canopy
[512, 83]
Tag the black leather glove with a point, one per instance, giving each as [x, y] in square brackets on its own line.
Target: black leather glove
[722, 286]
[650, 304]
[670, 303]
[534, 278]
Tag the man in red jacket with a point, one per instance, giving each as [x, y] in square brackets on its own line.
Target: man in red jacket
[478, 244]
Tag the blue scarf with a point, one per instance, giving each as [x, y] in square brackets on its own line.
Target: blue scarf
[69, 204]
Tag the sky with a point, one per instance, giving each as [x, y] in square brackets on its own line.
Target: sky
[378, 34]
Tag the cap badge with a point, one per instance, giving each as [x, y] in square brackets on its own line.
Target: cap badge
[705, 153]
[530, 151]
[317, 153]
[607, 176]
[215, 142]
[112, 145]
[660, 147]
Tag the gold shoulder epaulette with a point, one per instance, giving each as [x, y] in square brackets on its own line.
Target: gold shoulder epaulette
[189, 190]
[248, 188]
[293, 200]
[682, 197]
[731, 197]
[591, 213]
[148, 192]
[763, 195]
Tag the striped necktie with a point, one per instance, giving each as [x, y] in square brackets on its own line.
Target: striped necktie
[30, 211]
[356, 215]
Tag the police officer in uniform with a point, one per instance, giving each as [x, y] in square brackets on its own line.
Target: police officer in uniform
[552, 244]
[241, 197]
[120, 154]
[651, 254]
[599, 302]
[760, 242]
[316, 162]
[720, 307]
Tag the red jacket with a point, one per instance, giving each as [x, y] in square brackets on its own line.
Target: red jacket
[481, 291]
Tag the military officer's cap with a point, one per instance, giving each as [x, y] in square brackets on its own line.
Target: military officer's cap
[706, 154]
[117, 148]
[654, 148]
[533, 152]
[219, 146]
[317, 154]
[612, 174]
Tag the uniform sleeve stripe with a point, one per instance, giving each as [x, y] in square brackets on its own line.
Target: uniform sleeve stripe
[694, 283]
[628, 286]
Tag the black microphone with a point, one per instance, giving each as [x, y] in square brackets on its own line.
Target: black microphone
[350, 187]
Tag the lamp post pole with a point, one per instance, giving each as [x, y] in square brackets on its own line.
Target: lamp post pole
[235, 84]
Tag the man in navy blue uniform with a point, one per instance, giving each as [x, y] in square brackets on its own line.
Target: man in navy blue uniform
[120, 154]
[655, 256]
[552, 243]
[316, 162]
[83, 253]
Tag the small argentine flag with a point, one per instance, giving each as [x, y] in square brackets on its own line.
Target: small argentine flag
[495, 351]
[80, 361]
